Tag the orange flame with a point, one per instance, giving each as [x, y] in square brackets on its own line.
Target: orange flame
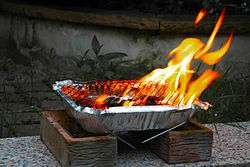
[215, 56]
[200, 16]
[181, 89]
[100, 102]
[172, 85]
[212, 36]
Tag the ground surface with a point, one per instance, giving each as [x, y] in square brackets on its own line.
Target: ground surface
[233, 149]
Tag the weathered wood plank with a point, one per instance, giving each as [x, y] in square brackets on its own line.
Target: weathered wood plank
[72, 146]
[185, 145]
[169, 23]
[94, 17]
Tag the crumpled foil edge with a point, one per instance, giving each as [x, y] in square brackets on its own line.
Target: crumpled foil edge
[120, 109]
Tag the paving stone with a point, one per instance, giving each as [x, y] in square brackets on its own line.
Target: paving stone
[232, 148]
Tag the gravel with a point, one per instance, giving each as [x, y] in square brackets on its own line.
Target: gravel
[231, 148]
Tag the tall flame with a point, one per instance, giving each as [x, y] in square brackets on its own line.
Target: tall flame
[173, 85]
[181, 89]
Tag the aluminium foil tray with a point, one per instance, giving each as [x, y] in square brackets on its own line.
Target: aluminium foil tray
[118, 119]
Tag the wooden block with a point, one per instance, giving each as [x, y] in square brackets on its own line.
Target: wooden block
[189, 144]
[72, 146]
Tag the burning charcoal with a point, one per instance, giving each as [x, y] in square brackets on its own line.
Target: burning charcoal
[151, 101]
[88, 102]
[100, 102]
[113, 101]
[106, 101]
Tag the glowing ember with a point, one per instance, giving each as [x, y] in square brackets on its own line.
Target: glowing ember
[172, 85]
[100, 102]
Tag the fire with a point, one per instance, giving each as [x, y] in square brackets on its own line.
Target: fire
[173, 85]
[200, 16]
[181, 89]
[100, 102]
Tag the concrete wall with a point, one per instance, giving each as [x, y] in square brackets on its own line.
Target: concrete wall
[53, 45]
[71, 39]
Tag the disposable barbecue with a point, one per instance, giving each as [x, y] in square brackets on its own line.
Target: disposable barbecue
[162, 99]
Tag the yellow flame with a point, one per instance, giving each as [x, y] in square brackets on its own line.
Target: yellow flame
[215, 56]
[176, 78]
[212, 36]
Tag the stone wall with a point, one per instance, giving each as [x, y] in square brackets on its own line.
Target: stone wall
[35, 53]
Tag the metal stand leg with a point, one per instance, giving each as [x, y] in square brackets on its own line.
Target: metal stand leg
[124, 141]
[162, 133]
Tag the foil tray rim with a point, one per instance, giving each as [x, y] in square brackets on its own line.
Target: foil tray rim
[120, 109]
